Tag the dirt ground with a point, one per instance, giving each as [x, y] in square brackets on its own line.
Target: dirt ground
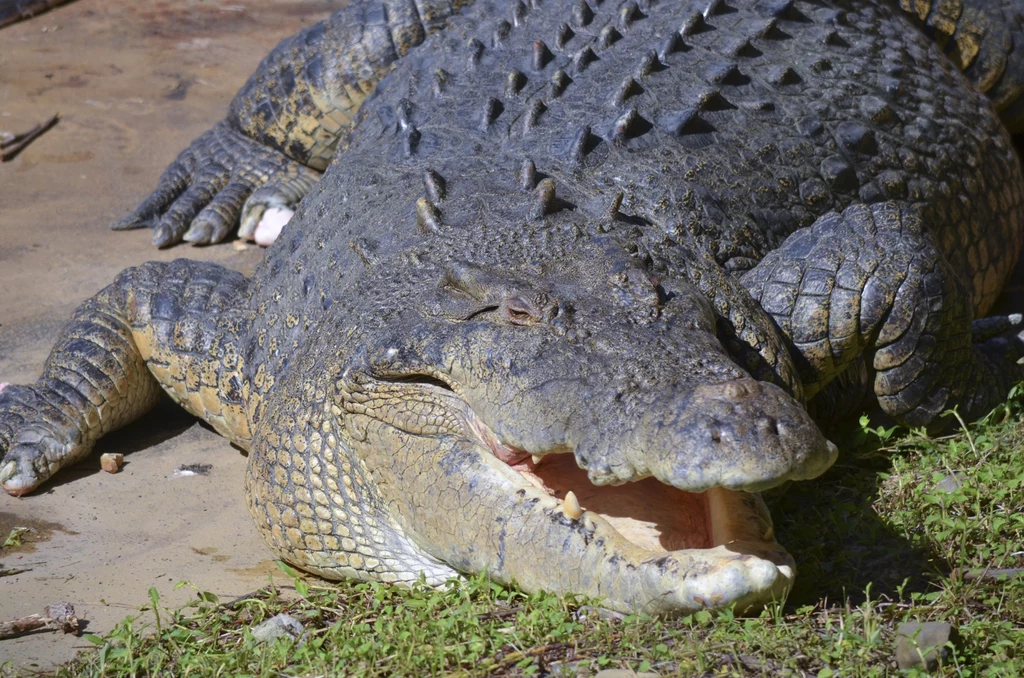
[134, 82]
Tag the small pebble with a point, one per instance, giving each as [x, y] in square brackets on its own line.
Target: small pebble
[279, 626]
[951, 483]
[239, 246]
[111, 462]
[923, 644]
[186, 470]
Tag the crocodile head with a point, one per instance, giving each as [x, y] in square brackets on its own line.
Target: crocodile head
[576, 426]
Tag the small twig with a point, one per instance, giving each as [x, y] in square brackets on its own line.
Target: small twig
[14, 145]
[58, 616]
[974, 575]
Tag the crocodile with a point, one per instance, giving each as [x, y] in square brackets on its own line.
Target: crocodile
[12, 11]
[573, 279]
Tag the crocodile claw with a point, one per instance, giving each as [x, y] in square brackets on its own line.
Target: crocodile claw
[222, 178]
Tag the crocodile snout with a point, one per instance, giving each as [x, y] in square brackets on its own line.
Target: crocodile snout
[741, 434]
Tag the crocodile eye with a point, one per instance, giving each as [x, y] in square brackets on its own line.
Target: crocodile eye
[469, 292]
[520, 311]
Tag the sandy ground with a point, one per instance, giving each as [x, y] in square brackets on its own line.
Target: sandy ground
[134, 82]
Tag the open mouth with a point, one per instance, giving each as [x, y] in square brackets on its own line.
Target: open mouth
[534, 516]
[649, 514]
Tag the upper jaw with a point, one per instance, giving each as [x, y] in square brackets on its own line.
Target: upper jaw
[740, 434]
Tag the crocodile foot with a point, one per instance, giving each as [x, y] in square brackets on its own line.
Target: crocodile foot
[222, 179]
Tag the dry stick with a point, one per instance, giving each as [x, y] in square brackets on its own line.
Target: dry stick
[16, 144]
[57, 616]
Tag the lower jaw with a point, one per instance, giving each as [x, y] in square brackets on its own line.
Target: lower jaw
[712, 549]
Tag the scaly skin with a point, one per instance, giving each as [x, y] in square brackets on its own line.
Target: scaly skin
[555, 308]
[984, 39]
[12, 11]
[285, 124]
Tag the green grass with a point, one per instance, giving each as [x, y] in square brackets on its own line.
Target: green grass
[876, 542]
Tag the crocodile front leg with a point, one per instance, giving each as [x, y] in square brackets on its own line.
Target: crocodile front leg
[159, 325]
[284, 125]
[869, 283]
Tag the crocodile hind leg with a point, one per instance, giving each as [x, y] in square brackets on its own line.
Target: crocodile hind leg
[869, 284]
[985, 40]
[158, 325]
[284, 125]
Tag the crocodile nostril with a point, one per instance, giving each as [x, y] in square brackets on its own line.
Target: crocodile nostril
[735, 390]
[768, 425]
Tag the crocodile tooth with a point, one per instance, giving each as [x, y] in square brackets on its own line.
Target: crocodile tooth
[435, 185]
[8, 470]
[536, 459]
[492, 109]
[547, 502]
[428, 219]
[609, 36]
[541, 55]
[571, 506]
[582, 14]
[564, 35]
[528, 175]
[515, 82]
[476, 50]
[547, 200]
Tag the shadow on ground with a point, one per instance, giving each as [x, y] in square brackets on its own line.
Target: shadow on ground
[843, 549]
